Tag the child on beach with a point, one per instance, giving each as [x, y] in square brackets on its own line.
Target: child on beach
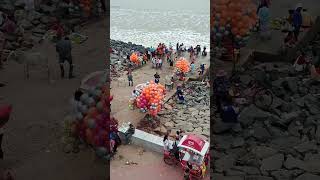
[130, 77]
[156, 78]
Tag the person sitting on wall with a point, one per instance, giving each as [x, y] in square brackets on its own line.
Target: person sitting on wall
[129, 133]
[301, 62]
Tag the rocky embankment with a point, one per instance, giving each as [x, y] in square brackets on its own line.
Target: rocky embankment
[126, 48]
[193, 116]
[118, 58]
[282, 143]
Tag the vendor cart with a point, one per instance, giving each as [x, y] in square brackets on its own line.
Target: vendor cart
[193, 150]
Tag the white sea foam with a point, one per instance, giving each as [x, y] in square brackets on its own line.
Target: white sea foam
[149, 27]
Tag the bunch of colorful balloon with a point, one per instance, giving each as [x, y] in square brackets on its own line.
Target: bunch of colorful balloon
[149, 97]
[233, 18]
[90, 120]
[134, 58]
[183, 65]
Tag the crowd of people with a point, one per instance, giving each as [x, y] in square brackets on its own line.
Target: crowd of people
[166, 53]
[298, 18]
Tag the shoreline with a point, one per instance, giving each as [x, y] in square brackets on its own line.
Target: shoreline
[124, 46]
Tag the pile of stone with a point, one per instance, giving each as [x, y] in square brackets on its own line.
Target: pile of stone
[118, 59]
[279, 144]
[126, 48]
[193, 116]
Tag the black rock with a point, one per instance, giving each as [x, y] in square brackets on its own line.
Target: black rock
[293, 163]
[309, 146]
[272, 163]
[247, 170]
[308, 176]
[258, 178]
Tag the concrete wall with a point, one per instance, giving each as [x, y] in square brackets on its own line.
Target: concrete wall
[148, 141]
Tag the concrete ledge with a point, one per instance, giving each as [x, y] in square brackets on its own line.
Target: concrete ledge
[147, 141]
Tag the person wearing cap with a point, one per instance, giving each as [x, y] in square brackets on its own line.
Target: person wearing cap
[5, 112]
[221, 87]
[297, 20]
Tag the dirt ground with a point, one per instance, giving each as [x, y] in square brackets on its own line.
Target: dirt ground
[32, 142]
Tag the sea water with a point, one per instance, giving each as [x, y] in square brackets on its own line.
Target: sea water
[149, 22]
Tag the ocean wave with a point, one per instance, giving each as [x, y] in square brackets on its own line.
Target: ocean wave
[149, 27]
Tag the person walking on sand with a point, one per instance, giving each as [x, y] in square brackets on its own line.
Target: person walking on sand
[202, 68]
[130, 77]
[63, 48]
[156, 78]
